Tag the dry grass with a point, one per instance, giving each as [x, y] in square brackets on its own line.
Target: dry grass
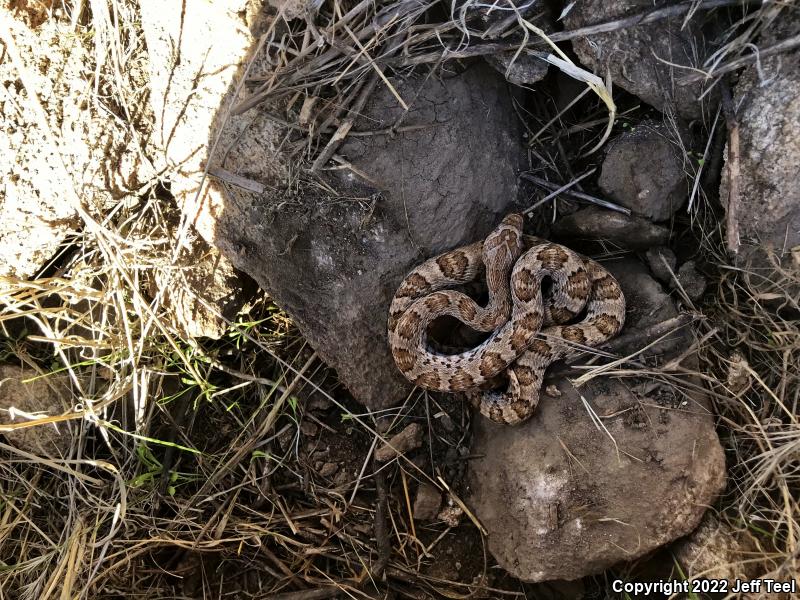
[188, 472]
[753, 361]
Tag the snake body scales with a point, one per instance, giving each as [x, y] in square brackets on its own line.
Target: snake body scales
[528, 329]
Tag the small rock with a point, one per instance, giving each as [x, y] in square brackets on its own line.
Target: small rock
[739, 379]
[42, 397]
[648, 59]
[451, 515]
[328, 469]
[408, 439]
[427, 502]
[626, 231]
[691, 281]
[552, 391]
[524, 70]
[518, 68]
[644, 171]
[561, 500]
[309, 428]
[656, 257]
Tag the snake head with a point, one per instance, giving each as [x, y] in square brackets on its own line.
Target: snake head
[504, 244]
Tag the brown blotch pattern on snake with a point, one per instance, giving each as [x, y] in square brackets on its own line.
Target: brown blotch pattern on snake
[453, 264]
[467, 308]
[428, 380]
[491, 364]
[574, 334]
[404, 359]
[413, 285]
[462, 380]
[607, 324]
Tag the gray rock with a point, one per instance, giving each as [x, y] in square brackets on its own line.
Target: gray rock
[768, 211]
[692, 282]
[497, 20]
[410, 438]
[427, 502]
[643, 170]
[333, 262]
[524, 70]
[656, 257]
[561, 499]
[631, 54]
[597, 223]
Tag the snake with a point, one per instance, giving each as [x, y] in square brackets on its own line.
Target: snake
[545, 303]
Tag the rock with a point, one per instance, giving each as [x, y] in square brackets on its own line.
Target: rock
[712, 551]
[768, 113]
[631, 54]
[189, 115]
[204, 292]
[739, 378]
[495, 24]
[562, 498]
[103, 162]
[309, 428]
[656, 257]
[409, 438]
[647, 304]
[597, 223]
[41, 397]
[524, 70]
[333, 261]
[328, 469]
[451, 514]
[427, 502]
[692, 282]
[644, 171]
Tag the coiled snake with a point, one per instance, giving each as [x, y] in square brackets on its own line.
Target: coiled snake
[529, 329]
